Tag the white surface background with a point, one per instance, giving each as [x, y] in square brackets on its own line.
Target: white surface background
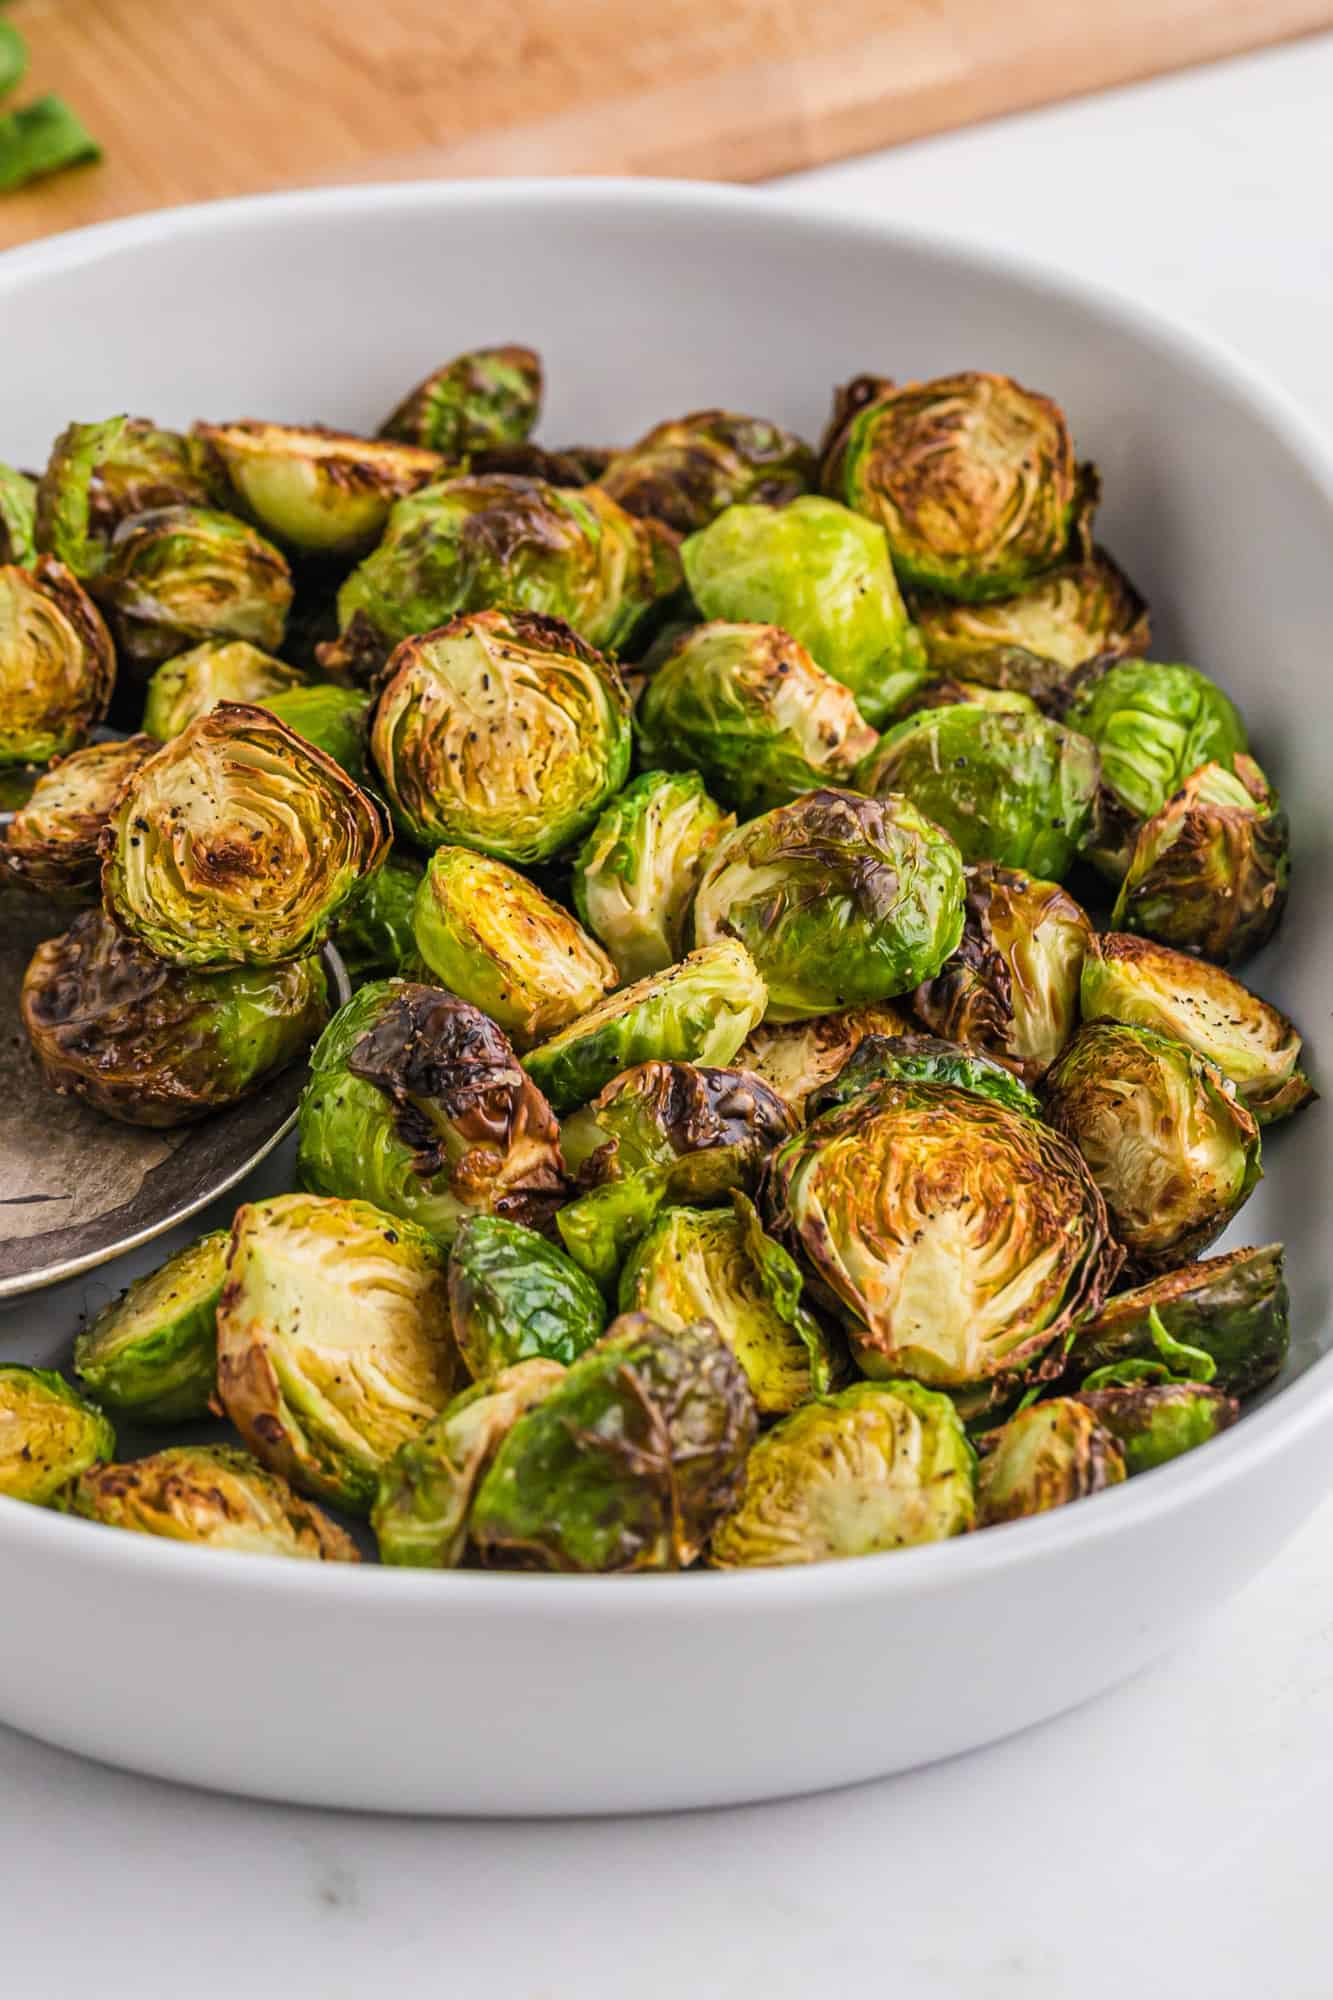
[1169, 1840]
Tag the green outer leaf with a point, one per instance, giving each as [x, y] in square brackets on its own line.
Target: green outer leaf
[18, 516]
[152, 1352]
[1233, 1307]
[41, 138]
[514, 1297]
[601, 1227]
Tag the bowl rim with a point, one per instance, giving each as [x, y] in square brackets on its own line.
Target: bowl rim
[1300, 1407]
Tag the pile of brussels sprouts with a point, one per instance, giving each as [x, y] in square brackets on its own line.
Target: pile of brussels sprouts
[741, 1146]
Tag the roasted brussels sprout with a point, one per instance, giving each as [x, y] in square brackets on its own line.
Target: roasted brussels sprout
[51, 844]
[421, 1509]
[48, 1434]
[1232, 1308]
[317, 490]
[711, 1128]
[1082, 611]
[1148, 985]
[1044, 1457]
[237, 843]
[220, 670]
[839, 899]
[490, 936]
[636, 873]
[156, 1044]
[1209, 872]
[880, 1059]
[152, 1353]
[1173, 1150]
[372, 932]
[100, 474]
[1154, 1422]
[416, 1102]
[503, 732]
[179, 575]
[514, 1297]
[1016, 789]
[601, 1227]
[973, 694]
[972, 478]
[823, 574]
[795, 1058]
[567, 465]
[335, 719]
[629, 1464]
[685, 472]
[1012, 987]
[882, 1465]
[489, 396]
[960, 1240]
[747, 707]
[213, 1496]
[698, 1011]
[333, 1340]
[18, 517]
[57, 668]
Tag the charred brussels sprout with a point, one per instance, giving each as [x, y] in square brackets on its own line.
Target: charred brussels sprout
[503, 732]
[51, 843]
[1082, 611]
[1017, 789]
[152, 1352]
[333, 1340]
[685, 472]
[923, 1059]
[487, 397]
[1232, 1308]
[490, 936]
[972, 478]
[57, 667]
[973, 694]
[960, 1240]
[515, 1297]
[416, 1102]
[1209, 872]
[629, 1464]
[100, 474]
[154, 1044]
[317, 490]
[1044, 1457]
[1155, 1422]
[823, 574]
[180, 575]
[796, 1057]
[1012, 987]
[1148, 985]
[882, 1465]
[636, 873]
[840, 899]
[220, 670]
[215, 1497]
[372, 933]
[1171, 1147]
[48, 1434]
[698, 1011]
[237, 843]
[421, 1509]
[18, 517]
[747, 707]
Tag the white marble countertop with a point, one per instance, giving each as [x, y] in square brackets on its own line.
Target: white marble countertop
[1169, 1839]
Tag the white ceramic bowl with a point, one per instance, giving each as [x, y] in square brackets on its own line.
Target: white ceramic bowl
[502, 1694]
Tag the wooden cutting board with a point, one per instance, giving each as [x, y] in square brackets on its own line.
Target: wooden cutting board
[198, 98]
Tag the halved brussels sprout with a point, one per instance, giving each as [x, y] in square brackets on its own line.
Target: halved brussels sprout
[1173, 1150]
[1016, 789]
[636, 873]
[57, 667]
[421, 1509]
[1044, 1457]
[923, 1059]
[1148, 985]
[179, 575]
[823, 574]
[972, 478]
[566, 465]
[486, 397]
[502, 731]
[372, 933]
[317, 490]
[1153, 724]
[629, 1464]
[18, 517]
[1154, 1422]
[1082, 611]
[839, 899]
[334, 719]
[1233, 1308]
[469, 544]
[960, 1240]
[515, 1297]
[48, 1434]
[334, 1344]
[711, 1128]
[51, 844]
[489, 935]
[416, 1102]
[215, 1497]
[100, 474]
[795, 1058]
[747, 707]
[157, 1044]
[220, 670]
[698, 1011]
[152, 1353]
[882, 1465]
[974, 694]
[685, 471]
[1209, 872]
[237, 843]
[1012, 987]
